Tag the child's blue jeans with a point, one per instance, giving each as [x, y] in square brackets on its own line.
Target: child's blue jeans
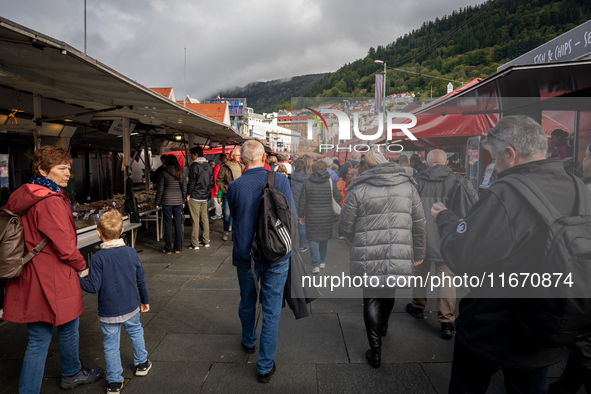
[111, 335]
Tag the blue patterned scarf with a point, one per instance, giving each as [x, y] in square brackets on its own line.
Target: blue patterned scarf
[48, 183]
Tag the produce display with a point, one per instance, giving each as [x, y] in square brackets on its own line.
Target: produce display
[87, 214]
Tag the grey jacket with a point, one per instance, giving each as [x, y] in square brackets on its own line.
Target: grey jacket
[383, 222]
[440, 184]
[315, 204]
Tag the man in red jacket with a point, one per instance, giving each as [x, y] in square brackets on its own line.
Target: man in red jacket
[47, 293]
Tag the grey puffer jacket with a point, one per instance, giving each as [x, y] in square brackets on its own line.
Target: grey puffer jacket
[171, 191]
[315, 205]
[440, 184]
[383, 222]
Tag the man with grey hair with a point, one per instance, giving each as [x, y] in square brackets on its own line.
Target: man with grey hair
[281, 159]
[229, 171]
[333, 175]
[354, 163]
[243, 197]
[438, 184]
[503, 234]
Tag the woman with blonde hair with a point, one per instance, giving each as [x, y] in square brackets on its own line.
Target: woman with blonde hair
[282, 169]
[383, 223]
[308, 162]
[272, 161]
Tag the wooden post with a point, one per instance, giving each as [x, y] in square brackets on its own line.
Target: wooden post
[37, 115]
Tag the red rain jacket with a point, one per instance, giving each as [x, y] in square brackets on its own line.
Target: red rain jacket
[48, 289]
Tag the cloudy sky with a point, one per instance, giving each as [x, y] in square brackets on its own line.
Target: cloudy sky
[229, 43]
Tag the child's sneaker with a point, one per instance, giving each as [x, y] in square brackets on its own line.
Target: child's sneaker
[114, 387]
[142, 369]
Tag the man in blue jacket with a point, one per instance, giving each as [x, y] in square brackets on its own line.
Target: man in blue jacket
[244, 194]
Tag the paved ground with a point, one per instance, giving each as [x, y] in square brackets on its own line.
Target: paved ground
[192, 333]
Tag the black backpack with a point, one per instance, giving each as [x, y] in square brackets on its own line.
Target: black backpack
[272, 231]
[464, 197]
[560, 313]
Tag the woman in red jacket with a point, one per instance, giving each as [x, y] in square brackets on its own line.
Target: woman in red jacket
[47, 293]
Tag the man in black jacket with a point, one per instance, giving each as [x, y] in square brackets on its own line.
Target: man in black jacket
[438, 183]
[502, 233]
[198, 194]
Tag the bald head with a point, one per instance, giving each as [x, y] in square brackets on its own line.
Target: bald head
[436, 157]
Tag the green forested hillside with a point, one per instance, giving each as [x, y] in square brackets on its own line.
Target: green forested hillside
[466, 44]
[264, 96]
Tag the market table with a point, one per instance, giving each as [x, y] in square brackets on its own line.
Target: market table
[152, 215]
[87, 236]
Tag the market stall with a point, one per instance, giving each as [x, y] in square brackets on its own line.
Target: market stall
[53, 94]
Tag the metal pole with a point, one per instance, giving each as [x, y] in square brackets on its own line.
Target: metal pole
[185, 75]
[384, 95]
[85, 27]
[147, 163]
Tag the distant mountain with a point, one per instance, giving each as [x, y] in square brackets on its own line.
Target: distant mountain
[466, 44]
[265, 96]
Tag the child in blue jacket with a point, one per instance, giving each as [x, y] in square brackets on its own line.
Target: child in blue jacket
[116, 273]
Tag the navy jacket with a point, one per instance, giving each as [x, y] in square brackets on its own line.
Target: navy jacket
[244, 194]
[116, 274]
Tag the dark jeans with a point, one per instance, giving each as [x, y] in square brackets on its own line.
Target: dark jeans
[471, 373]
[577, 372]
[170, 212]
[272, 280]
[36, 354]
[226, 213]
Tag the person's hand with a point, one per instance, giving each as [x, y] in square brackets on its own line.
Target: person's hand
[183, 206]
[219, 200]
[303, 221]
[144, 308]
[187, 198]
[435, 209]
[157, 207]
[417, 262]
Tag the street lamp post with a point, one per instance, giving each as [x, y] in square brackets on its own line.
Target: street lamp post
[383, 88]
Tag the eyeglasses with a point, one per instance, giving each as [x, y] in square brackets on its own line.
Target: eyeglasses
[492, 134]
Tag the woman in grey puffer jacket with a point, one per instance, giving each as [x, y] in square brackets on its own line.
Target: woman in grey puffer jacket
[383, 222]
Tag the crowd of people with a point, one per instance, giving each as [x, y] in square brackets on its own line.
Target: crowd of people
[397, 217]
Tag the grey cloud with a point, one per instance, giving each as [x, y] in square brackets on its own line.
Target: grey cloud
[229, 43]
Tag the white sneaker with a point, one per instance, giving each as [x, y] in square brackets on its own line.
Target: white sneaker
[322, 266]
[316, 270]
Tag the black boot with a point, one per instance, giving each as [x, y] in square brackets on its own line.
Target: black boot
[386, 306]
[384, 329]
[374, 356]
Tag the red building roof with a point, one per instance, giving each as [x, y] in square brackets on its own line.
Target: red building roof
[166, 92]
[216, 111]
